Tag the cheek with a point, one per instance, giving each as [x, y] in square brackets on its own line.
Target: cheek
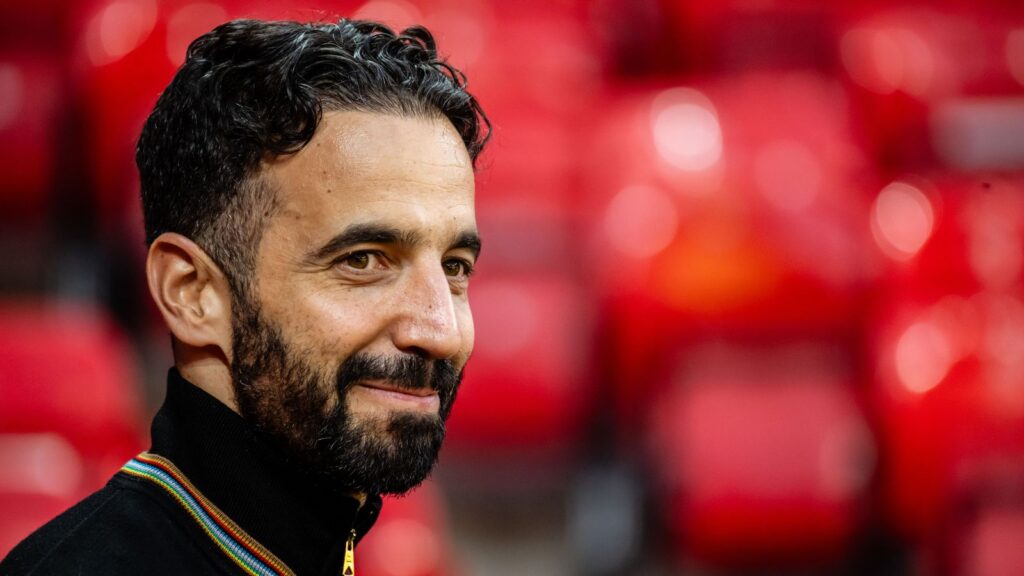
[466, 327]
[330, 324]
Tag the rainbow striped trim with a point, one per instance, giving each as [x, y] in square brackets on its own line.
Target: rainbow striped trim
[241, 548]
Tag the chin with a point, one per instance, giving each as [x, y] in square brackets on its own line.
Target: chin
[389, 454]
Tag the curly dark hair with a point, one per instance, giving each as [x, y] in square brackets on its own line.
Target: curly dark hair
[250, 90]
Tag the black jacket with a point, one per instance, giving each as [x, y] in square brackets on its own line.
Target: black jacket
[149, 518]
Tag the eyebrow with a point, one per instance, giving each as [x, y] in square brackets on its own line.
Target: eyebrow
[469, 240]
[379, 234]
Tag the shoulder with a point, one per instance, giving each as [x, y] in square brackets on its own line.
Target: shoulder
[127, 527]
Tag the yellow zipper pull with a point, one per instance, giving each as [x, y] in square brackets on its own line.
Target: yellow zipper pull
[349, 567]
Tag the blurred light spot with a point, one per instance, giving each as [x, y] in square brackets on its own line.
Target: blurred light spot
[902, 220]
[12, 93]
[641, 221]
[788, 174]
[39, 464]
[923, 357]
[918, 64]
[686, 129]
[187, 24]
[885, 56]
[413, 548]
[119, 28]
[857, 49]
[1015, 54]
[884, 60]
[396, 14]
[509, 315]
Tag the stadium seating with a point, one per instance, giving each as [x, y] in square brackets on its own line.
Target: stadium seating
[767, 256]
[70, 415]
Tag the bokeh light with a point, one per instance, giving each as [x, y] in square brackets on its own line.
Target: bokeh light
[640, 221]
[118, 28]
[902, 220]
[923, 356]
[686, 130]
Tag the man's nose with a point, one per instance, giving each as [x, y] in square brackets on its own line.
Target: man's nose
[427, 324]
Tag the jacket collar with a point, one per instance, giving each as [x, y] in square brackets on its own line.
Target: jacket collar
[300, 517]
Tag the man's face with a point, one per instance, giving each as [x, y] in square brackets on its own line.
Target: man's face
[352, 345]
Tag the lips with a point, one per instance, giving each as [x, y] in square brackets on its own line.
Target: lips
[389, 387]
[382, 392]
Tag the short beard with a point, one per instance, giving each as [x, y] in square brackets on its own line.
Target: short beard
[304, 409]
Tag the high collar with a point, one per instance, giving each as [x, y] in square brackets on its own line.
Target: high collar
[300, 517]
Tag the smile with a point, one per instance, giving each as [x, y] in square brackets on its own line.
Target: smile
[406, 398]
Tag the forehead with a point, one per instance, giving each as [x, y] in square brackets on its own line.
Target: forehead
[366, 167]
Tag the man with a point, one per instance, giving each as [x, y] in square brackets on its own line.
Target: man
[308, 192]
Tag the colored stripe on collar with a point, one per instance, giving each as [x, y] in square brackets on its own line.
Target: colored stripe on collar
[241, 548]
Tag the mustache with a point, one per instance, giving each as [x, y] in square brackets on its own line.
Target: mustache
[409, 372]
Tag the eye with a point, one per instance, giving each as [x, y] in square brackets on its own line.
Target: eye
[361, 260]
[457, 268]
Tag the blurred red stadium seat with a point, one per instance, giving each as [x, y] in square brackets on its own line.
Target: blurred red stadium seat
[764, 469]
[70, 415]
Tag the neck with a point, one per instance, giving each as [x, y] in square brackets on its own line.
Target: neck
[209, 371]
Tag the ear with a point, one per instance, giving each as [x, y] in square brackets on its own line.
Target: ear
[191, 292]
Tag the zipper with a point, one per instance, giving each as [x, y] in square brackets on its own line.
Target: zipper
[349, 567]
